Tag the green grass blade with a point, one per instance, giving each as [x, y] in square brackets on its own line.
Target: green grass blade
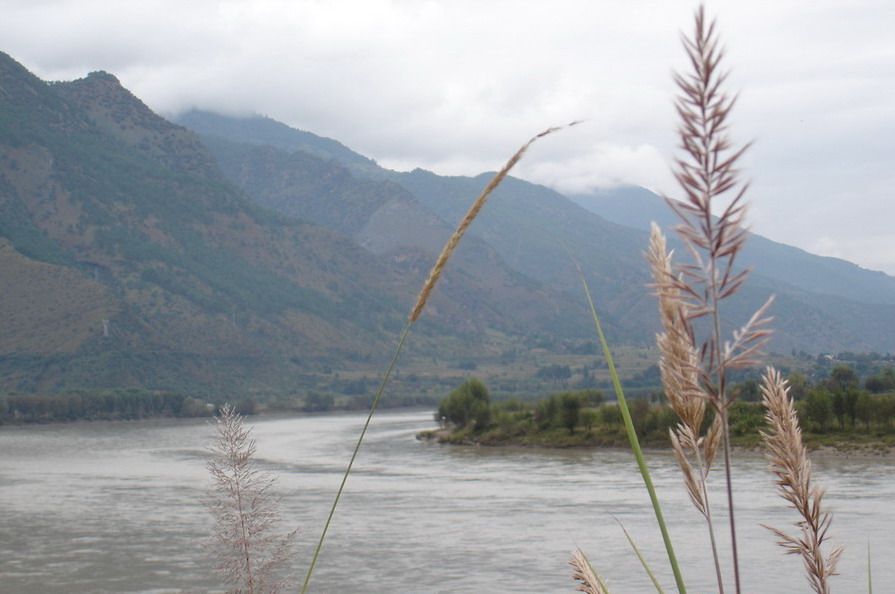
[635, 443]
[360, 440]
[643, 562]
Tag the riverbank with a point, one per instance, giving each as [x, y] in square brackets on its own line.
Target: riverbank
[833, 444]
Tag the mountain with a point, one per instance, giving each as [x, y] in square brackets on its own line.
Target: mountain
[128, 259]
[637, 207]
[386, 219]
[822, 304]
[267, 132]
[216, 256]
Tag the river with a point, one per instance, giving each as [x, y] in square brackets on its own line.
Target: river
[114, 507]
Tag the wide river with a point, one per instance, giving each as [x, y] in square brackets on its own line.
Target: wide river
[113, 507]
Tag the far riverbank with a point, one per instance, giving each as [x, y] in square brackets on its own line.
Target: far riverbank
[845, 445]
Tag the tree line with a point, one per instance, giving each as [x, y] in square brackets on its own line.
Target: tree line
[126, 403]
[839, 403]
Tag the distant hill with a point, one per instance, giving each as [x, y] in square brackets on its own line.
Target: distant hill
[267, 132]
[217, 255]
[389, 221]
[636, 207]
[823, 304]
[128, 259]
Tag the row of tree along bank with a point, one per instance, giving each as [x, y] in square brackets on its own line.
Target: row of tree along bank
[835, 410]
[124, 404]
[136, 403]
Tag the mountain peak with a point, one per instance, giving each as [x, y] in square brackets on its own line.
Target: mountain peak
[102, 75]
[118, 112]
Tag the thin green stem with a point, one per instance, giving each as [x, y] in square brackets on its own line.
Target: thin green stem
[643, 562]
[360, 440]
[869, 572]
[635, 444]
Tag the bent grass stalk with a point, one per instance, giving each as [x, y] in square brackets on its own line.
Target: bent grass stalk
[428, 287]
[643, 562]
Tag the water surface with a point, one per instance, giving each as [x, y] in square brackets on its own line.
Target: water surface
[118, 507]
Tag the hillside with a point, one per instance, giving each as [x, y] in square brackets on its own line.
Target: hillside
[136, 263]
[386, 219]
[636, 207]
[823, 304]
[245, 257]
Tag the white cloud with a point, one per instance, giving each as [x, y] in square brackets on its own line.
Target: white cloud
[604, 166]
[457, 86]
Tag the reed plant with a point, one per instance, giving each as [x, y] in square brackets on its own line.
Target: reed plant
[695, 354]
[249, 550]
[792, 467]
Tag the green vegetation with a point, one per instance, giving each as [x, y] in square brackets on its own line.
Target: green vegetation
[98, 404]
[832, 412]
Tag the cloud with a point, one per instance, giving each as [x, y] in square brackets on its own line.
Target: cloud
[604, 166]
[874, 252]
[457, 86]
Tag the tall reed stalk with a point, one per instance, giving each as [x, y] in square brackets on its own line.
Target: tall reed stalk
[694, 355]
[416, 311]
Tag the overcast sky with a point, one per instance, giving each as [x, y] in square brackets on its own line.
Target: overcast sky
[455, 86]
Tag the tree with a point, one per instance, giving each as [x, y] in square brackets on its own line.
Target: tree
[589, 418]
[819, 407]
[798, 386]
[884, 382]
[640, 410]
[318, 402]
[866, 409]
[611, 414]
[470, 402]
[592, 396]
[547, 413]
[842, 377]
[570, 410]
[556, 372]
[844, 402]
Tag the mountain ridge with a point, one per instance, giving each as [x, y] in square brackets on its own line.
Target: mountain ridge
[135, 251]
[806, 271]
[523, 220]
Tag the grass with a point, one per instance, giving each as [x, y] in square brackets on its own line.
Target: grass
[695, 356]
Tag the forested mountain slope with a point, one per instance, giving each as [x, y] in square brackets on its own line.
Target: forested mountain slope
[823, 304]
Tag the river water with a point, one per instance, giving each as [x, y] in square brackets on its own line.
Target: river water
[113, 507]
